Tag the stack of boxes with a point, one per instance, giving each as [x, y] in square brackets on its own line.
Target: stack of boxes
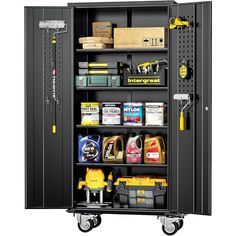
[101, 38]
[99, 74]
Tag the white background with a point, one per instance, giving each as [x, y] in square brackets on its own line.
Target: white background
[15, 220]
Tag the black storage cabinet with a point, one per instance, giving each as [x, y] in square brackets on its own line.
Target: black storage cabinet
[51, 163]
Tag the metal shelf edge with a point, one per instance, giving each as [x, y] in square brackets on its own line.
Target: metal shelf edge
[122, 165]
[119, 127]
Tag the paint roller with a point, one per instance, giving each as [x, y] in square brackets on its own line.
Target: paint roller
[182, 98]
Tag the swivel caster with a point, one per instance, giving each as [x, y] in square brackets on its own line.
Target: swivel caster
[171, 229]
[97, 220]
[87, 226]
[180, 224]
[87, 222]
[171, 224]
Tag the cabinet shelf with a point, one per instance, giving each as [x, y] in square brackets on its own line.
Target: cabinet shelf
[112, 210]
[121, 165]
[121, 88]
[121, 50]
[120, 127]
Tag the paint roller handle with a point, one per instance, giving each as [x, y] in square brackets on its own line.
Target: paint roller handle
[54, 43]
[181, 121]
[54, 127]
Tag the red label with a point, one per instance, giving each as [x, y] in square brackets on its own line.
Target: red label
[133, 153]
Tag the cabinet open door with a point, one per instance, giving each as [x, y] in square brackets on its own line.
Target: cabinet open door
[48, 171]
[190, 153]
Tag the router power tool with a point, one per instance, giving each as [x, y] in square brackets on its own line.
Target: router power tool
[95, 184]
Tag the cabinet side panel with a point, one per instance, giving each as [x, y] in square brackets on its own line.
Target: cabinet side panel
[203, 108]
[29, 161]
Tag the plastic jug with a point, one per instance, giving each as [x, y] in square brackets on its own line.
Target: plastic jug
[113, 149]
[89, 148]
[134, 149]
[154, 150]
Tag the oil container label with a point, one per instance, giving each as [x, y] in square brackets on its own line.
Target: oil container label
[89, 151]
[152, 154]
[109, 151]
[89, 148]
[133, 153]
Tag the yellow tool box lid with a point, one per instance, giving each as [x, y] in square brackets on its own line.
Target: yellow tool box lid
[141, 181]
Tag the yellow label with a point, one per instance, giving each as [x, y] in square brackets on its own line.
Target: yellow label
[183, 71]
[143, 81]
[98, 72]
[54, 129]
[141, 199]
[96, 64]
[140, 191]
[54, 40]
[90, 123]
[89, 104]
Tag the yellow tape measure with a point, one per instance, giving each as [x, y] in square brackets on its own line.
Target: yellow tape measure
[183, 70]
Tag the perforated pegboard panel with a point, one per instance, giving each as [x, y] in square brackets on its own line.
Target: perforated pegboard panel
[185, 52]
[48, 100]
[182, 151]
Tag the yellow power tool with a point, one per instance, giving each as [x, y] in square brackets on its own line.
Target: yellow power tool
[177, 22]
[95, 183]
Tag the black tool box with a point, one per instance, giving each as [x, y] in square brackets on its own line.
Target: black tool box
[131, 193]
[53, 112]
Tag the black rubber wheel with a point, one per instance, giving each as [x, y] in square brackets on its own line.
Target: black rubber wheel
[97, 221]
[89, 226]
[172, 230]
[180, 224]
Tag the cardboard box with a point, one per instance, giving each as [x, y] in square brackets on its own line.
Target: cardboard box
[102, 29]
[95, 45]
[104, 40]
[146, 37]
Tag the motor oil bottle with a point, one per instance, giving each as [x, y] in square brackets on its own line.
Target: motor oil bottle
[113, 149]
[89, 148]
[134, 149]
[154, 150]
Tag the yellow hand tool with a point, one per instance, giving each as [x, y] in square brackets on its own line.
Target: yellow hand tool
[176, 22]
[152, 67]
[183, 70]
